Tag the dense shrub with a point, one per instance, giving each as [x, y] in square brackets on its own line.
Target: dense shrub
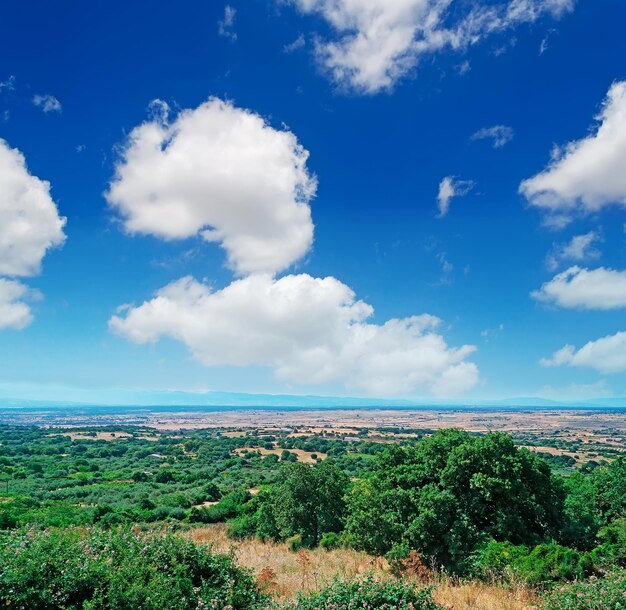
[365, 593]
[541, 565]
[96, 569]
[228, 507]
[330, 540]
[607, 593]
[612, 548]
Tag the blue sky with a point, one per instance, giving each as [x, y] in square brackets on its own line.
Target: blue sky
[318, 142]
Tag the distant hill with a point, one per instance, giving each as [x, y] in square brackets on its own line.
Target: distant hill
[215, 400]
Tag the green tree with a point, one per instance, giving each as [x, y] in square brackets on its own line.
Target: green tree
[450, 492]
[306, 501]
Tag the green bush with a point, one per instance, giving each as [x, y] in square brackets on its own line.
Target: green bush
[365, 593]
[242, 527]
[330, 540]
[612, 548]
[548, 563]
[541, 565]
[495, 560]
[607, 593]
[295, 543]
[95, 569]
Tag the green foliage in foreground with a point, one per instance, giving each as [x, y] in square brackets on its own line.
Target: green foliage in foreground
[607, 593]
[77, 569]
[365, 593]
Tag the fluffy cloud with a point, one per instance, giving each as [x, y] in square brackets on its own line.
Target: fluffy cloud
[223, 173]
[589, 174]
[379, 41]
[14, 312]
[29, 220]
[500, 135]
[449, 188]
[308, 330]
[577, 288]
[606, 355]
[48, 103]
[580, 248]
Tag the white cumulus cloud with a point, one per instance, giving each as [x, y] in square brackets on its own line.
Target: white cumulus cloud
[308, 330]
[14, 312]
[378, 41]
[578, 288]
[606, 355]
[588, 174]
[29, 220]
[223, 173]
[449, 188]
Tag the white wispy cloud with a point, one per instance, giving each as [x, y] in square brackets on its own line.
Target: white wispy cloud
[578, 288]
[500, 135]
[449, 188]
[298, 43]
[589, 174]
[379, 41]
[8, 84]
[464, 67]
[48, 103]
[606, 355]
[545, 41]
[576, 391]
[579, 249]
[225, 26]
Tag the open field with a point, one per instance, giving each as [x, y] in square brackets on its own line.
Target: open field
[587, 425]
[581, 435]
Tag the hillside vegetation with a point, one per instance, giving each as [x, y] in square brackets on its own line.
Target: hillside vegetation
[449, 519]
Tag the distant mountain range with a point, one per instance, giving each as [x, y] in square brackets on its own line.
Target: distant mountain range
[213, 400]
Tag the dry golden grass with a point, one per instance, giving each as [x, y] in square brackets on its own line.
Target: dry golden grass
[284, 573]
[308, 570]
[481, 596]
